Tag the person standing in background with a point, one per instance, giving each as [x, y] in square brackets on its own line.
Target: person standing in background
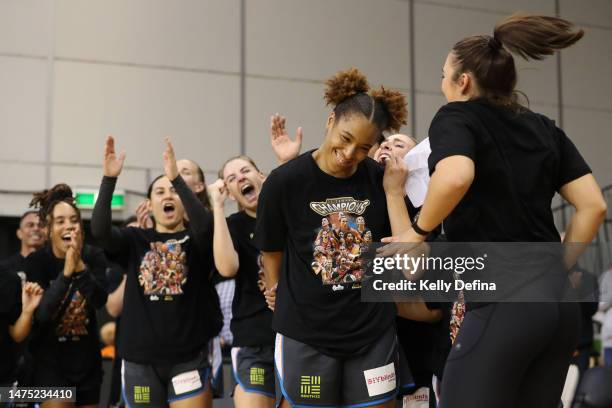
[32, 236]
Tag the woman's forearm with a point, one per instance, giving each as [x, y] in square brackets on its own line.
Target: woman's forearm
[226, 258]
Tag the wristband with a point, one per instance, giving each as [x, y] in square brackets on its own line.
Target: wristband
[419, 230]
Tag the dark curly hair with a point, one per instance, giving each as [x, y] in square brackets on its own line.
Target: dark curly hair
[46, 200]
[349, 93]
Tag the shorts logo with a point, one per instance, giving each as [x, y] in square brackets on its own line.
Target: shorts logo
[310, 386]
[187, 382]
[142, 395]
[257, 376]
[380, 380]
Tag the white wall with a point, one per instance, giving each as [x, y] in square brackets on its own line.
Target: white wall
[72, 72]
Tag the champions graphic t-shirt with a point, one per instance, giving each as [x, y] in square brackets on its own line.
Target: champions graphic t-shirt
[170, 309]
[65, 332]
[251, 323]
[324, 224]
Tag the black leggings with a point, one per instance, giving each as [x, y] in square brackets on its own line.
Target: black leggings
[511, 355]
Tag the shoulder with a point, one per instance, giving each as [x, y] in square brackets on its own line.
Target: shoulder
[456, 111]
[235, 218]
[292, 169]
[9, 279]
[372, 169]
[39, 256]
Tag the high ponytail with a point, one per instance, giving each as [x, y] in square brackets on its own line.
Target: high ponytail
[348, 92]
[489, 58]
[535, 37]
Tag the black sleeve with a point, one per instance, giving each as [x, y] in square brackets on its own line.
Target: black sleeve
[52, 298]
[111, 238]
[271, 228]
[92, 282]
[114, 277]
[36, 268]
[200, 219]
[450, 134]
[10, 305]
[571, 165]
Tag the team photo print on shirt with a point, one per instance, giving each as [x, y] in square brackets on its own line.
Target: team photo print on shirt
[341, 240]
[163, 270]
[74, 320]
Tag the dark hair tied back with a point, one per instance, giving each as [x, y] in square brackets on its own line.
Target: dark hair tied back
[347, 91]
[45, 200]
[494, 43]
[489, 58]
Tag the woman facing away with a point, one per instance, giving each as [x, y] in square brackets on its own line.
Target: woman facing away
[495, 168]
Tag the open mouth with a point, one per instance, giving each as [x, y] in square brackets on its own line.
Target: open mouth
[169, 209]
[384, 157]
[248, 191]
[67, 238]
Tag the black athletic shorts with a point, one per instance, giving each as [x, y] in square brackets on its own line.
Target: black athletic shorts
[253, 369]
[156, 385]
[87, 389]
[306, 377]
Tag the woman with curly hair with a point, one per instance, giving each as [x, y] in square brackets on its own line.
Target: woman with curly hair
[327, 338]
[65, 342]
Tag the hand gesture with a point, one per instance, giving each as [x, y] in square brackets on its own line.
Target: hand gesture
[284, 148]
[170, 168]
[395, 176]
[409, 244]
[31, 294]
[142, 215]
[112, 163]
[218, 193]
[73, 262]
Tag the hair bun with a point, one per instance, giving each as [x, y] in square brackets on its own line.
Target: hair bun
[345, 84]
[396, 105]
[45, 199]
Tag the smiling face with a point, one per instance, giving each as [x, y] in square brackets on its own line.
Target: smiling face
[397, 145]
[31, 232]
[347, 143]
[64, 220]
[166, 206]
[243, 182]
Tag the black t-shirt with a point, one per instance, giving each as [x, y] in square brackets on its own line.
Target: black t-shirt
[170, 309]
[521, 159]
[14, 263]
[324, 224]
[65, 332]
[10, 310]
[251, 319]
